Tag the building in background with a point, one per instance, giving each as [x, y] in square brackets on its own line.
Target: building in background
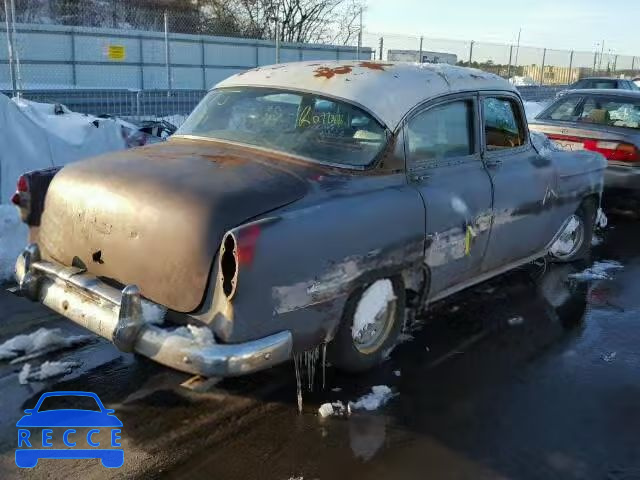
[427, 57]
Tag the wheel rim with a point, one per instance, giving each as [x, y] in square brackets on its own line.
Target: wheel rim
[373, 336]
[570, 240]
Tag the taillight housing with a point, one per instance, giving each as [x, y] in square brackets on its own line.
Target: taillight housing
[21, 197]
[612, 150]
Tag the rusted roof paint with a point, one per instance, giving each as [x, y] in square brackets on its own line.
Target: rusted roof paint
[388, 90]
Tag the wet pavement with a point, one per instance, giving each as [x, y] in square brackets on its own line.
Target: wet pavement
[528, 376]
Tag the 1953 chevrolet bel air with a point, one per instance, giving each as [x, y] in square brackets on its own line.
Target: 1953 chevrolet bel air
[296, 207]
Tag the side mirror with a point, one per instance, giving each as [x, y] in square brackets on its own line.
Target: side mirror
[109, 411]
[29, 411]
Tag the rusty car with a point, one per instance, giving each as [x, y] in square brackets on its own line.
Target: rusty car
[303, 205]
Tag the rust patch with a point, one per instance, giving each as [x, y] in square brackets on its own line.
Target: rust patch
[374, 65]
[332, 72]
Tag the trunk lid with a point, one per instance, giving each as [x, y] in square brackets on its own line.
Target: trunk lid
[155, 216]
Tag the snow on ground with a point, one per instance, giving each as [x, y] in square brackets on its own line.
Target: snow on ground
[597, 271]
[520, 81]
[532, 109]
[380, 394]
[13, 238]
[46, 370]
[40, 342]
[373, 302]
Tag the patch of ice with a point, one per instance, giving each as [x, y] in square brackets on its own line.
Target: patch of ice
[459, 206]
[380, 394]
[336, 389]
[517, 320]
[46, 370]
[373, 302]
[397, 373]
[13, 239]
[43, 340]
[609, 356]
[597, 271]
[202, 336]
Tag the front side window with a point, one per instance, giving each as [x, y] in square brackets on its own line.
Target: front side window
[444, 131]
[297, 123]
[565, 108]
[502, 124]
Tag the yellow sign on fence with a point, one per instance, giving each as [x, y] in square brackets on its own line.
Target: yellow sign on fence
[116, 52]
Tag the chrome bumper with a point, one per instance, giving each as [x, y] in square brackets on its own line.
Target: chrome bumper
[119, 316]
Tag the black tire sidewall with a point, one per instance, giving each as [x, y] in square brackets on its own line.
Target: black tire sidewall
[342, 352]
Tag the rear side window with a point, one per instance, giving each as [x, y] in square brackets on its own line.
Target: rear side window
[611, 111]
[502, 124]
[565, 109]
[444, 131]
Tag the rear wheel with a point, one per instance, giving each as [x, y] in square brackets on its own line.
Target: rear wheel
[371, 323]
[574, 243]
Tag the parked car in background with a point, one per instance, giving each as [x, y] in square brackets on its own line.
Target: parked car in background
[605, 83]
[607, 122]
[296, 207]
[636, 81]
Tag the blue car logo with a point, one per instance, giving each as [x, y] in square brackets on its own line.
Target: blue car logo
[57, 425]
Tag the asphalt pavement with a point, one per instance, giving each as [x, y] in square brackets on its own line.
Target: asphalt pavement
[532, 375]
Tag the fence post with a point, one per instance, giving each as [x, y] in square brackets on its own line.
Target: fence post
[420, 56]
[167, 55]
[471, 52]
[570, 79]
[544, 58]
[510, 56]
[141, 55]
[381, 47]
[277, 40]
[359, 36]
[633, 64]
[615, 63]
[203, 61]
[10, 46]
[74, 78]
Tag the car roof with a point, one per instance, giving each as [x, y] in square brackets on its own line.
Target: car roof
[601, 78]
[386, 89]
[633, 94]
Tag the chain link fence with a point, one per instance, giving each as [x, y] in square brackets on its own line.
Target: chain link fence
[156, 58]
[522, 65]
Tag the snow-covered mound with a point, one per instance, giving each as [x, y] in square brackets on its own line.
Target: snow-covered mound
[40, 135]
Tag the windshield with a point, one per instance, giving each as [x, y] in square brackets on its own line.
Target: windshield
[298, 123]
[611, 111]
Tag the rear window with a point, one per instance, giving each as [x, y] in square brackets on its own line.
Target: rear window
[605, 84]
[66, 402]
[299, 123]
[615, 112]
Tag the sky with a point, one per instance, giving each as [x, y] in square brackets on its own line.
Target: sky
[558, 24]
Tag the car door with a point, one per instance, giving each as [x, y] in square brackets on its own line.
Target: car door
[523, 183]
[442, 147]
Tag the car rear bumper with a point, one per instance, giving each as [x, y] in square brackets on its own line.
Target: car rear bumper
[622, 178]
[122, 316]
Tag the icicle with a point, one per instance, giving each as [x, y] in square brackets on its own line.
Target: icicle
[298, 381]
[324, 363]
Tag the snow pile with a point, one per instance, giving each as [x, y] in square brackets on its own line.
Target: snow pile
[39, 135]
[46, 370]
[201, 336]
[13, 238]
[564, 244]
[532, 109]
[597, 271]
[335, 408]
[38, 343]
[153, 313]
[380, 394]
[373, 303]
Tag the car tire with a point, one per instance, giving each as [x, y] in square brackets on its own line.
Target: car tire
[352, 353]
[586, 215]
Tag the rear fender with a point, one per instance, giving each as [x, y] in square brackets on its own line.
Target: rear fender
[307, 260]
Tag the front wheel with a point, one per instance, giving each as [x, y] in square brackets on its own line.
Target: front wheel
[574, 243]
[370, 325]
